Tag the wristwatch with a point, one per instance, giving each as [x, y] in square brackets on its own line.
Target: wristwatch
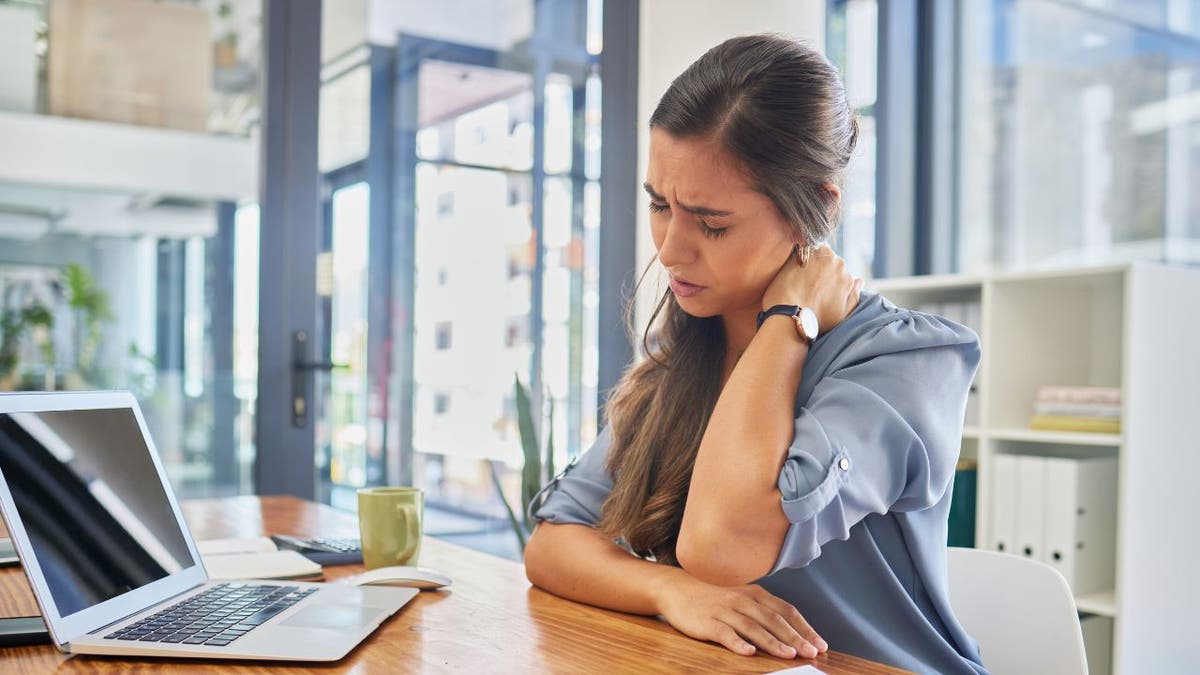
[804, 318]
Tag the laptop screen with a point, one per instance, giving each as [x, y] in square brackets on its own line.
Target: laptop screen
[97, 516]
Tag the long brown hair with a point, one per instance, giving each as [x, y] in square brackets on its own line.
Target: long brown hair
[778, 108]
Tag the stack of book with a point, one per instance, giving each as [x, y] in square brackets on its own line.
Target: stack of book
[255, 558]
[1093, 409]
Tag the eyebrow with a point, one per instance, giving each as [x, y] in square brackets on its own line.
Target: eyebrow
[698, 210]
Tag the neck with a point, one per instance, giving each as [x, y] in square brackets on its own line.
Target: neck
[740, 326]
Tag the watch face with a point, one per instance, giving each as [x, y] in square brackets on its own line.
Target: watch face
[808, 322]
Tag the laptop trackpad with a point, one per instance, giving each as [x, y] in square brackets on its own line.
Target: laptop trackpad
[334, 617]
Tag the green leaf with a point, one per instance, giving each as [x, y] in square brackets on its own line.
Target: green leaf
[37, 315]
[550, 443]
[531, 472]
[512, 517]
[83, 295]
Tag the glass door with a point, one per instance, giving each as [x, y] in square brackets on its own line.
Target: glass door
[504, 224]
[342, 387]
[475, 251]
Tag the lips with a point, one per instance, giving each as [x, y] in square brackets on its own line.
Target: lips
[684, 289]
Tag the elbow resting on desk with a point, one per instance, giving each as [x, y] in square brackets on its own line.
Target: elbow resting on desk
[726, 554]
[534, 564]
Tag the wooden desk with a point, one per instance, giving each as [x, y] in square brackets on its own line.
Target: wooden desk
[491, 621]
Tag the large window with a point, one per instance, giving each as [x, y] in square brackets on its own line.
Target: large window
[467, 255]
[1080, 133]
[128, 236]
[852, 47]
[506, 276]
[1020, 133]
[458, 244]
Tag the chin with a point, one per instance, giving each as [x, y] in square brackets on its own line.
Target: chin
[697, 308]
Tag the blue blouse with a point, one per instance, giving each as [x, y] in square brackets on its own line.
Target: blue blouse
[866, 487]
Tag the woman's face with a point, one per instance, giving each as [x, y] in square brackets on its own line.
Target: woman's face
[721, 241]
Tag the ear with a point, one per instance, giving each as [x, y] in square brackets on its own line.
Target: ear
[834, 191]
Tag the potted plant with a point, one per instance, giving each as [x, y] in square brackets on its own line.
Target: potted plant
[15, 323]
[538, 467]
[91, 308]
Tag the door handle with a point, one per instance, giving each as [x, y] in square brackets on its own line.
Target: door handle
[320, 365]
[301, 382]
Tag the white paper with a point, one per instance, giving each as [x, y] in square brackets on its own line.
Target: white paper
[799, 670]
[273, 565]
[211, 547]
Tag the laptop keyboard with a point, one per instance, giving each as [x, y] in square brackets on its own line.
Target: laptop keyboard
[215, 617]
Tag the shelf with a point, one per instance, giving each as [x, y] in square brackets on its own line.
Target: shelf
[938, 283]
[913, 292]
[1061, 437]
[1087, 327]
[1087, 274]
[1102, 603]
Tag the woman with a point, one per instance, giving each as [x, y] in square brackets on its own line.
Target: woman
[783, 485]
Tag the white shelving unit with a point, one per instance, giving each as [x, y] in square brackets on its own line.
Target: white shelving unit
[1134, 326]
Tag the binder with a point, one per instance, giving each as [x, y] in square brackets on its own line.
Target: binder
[1031, 506]
[961, 528]
[1004, 503]
[1080, 522]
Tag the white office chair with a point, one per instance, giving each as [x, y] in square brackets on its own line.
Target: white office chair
[1020, 610]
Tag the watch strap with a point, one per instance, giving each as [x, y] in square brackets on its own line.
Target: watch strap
[787, 310]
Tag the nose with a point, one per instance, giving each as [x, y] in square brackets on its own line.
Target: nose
[676, 248]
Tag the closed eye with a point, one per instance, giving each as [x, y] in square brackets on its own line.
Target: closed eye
[712, 232]
[709, 231]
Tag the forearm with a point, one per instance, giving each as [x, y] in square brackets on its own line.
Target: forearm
[578, 563]
[734, 499]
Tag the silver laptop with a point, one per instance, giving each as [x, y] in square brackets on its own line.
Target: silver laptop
[113, 565]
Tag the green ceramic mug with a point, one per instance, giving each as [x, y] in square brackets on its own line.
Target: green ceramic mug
[389, 524]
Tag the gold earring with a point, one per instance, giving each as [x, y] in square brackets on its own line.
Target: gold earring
[801, 254]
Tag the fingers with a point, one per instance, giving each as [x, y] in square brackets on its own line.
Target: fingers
[726, 636]
[852, 296]
[752, 630]
[750, 619]
[795, 621]
[773, 621]
[790, 617]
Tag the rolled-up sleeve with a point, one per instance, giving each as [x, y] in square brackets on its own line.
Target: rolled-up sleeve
[577, 494]
[880, 432]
